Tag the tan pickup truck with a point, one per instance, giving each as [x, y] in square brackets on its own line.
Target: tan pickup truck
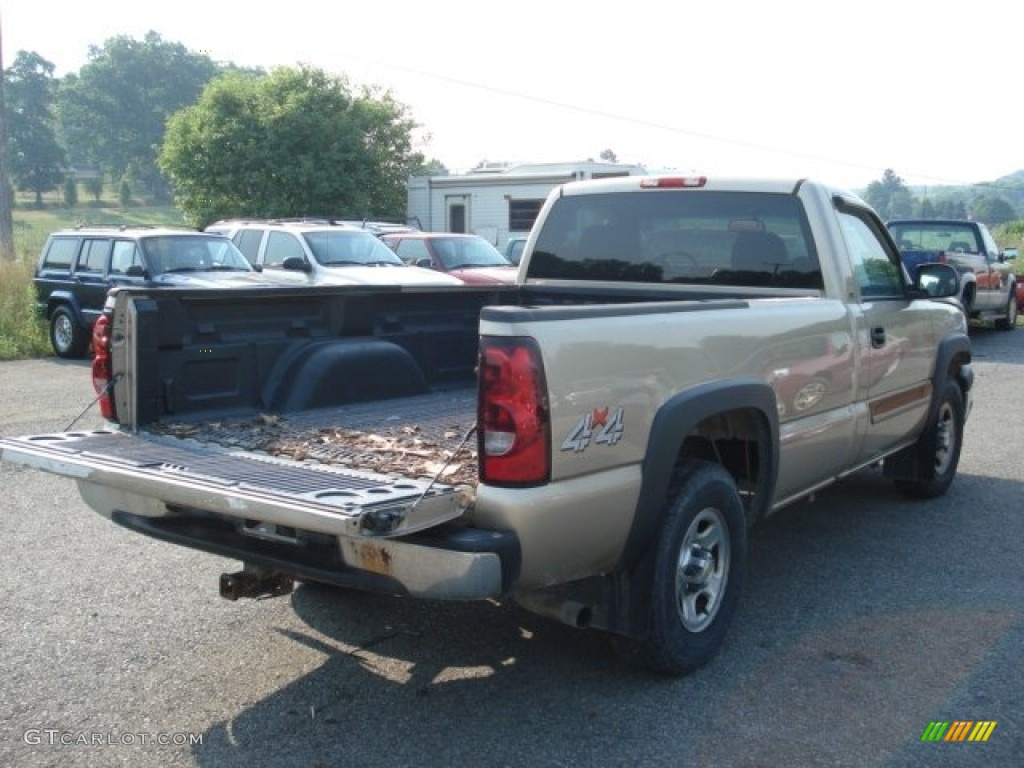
[679, 358]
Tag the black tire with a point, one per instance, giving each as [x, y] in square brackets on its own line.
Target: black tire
[67, 337]
[933, 459]
[1009, 322]
[967, 300]
[700, 561]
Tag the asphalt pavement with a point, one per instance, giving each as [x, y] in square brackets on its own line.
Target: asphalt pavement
[866, 618]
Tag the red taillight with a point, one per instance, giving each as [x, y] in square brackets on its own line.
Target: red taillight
[514, 437]
[673, 182]
[102, 370]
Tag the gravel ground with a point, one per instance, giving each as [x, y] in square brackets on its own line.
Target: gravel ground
[865, 618]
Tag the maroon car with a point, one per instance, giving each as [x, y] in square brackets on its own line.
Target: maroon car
[1011, 254]
[470, 258]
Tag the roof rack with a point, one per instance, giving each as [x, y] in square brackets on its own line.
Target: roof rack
[118, 227]
[126, 227]
[318, 220]
[303, 220]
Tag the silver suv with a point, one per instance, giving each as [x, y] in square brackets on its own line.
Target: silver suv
[309, 252]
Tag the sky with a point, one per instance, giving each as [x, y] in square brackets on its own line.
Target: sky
[835, 91]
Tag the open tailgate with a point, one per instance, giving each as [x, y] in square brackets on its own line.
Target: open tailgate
[171, 472]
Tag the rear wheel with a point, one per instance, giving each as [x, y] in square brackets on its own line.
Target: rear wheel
[1009, 322]
[699, 565]
[933, 459]
[67, 337]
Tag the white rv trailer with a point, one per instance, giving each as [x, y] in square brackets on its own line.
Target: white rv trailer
[496, 201]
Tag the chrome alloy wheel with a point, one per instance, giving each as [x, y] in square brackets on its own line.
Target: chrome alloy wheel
[945, 437]
[702, 570]
[63, 331]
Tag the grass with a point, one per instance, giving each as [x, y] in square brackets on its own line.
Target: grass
[23, 333]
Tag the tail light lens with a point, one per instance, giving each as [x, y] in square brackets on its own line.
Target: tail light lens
[514, 431]
[102, 368]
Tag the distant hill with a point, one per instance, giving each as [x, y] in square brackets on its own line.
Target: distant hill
[1017, 177]
[1009, 187]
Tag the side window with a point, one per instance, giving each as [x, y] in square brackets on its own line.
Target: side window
[93, 257]
[62, 252]
[413, 251]
[125, 256]
[878, 275]
[248, 242]
[989, 243]
[281, 246]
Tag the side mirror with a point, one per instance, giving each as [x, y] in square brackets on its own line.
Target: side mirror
[937, 281]
[296, 263]
[135, 270]
[1010, 253]
[425, 263]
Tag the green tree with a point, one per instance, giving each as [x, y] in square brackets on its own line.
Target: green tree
[295, 142]
[113, 112]
[36, 161]
[6, 190]
[926, 208]
[950, 208]
[94, 186]
[992, 210]
[890, 197]
[70, 192]
[432, 167]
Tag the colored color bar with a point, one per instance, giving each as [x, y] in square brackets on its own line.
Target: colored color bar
[982, 730]
[935, 730]
[959, 730]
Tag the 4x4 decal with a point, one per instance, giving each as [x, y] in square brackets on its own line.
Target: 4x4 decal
[598, 426]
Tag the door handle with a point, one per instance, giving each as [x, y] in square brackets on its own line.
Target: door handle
[878, 337]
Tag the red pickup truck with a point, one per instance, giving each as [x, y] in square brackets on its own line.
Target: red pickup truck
[989, 286]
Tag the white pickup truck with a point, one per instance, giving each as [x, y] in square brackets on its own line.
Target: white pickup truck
[679, 358]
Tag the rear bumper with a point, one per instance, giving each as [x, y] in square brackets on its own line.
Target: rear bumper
[363, 530]
[444, 563]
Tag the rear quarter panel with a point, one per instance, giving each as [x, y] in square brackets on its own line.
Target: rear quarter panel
[608, 376]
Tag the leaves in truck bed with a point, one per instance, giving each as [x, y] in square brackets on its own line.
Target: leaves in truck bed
[405, 451]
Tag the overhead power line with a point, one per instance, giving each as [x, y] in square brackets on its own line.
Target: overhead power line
[674, 129]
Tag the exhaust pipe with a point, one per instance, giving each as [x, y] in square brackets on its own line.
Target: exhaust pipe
[255, 581]
[571, 612]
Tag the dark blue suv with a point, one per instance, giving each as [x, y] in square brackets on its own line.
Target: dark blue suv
[77, 267]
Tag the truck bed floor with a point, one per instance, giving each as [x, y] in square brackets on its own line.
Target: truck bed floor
[423, 437]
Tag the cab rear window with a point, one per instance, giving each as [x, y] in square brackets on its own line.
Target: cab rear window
[672, 236]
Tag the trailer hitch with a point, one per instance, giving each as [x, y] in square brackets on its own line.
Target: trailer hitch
[255, 581]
